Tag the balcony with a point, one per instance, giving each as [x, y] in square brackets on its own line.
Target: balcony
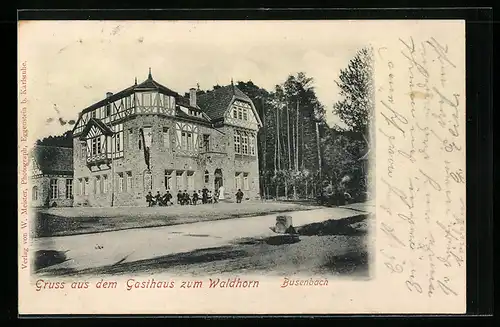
[207, 156]
[99, 159]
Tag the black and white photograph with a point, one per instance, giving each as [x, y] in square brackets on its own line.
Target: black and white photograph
[239, 156]
[195, 161]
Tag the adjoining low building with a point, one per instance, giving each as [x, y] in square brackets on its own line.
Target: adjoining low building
[51, 176]
[149, 138]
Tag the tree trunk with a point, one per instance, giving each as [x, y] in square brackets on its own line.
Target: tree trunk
[306, 189]
[319, 150]
[297, 138]
[286, 189]
[288, 136]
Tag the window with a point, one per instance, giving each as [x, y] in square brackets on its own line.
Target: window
[129, 181]
[168, 179]
[184, 141]
[93, 114]
[81, 186]
[207, 177]
[97, 185]
[190, 141]
[86, 187]
[93, 147]
[251, 140]
[237, 148]
[240, 113]
[237, 181]
[206, 142]
[118, 140]
[34, 193]
[120, 182]
[180, 180]
[146, 99]
[187, 140]
[53, 188]
[166, 137]
[98, 141]
[108, 110]
[245, 181]
[190, 180]
[105, 184]
[235, 112]
[244, 144]
[130, 138]
[69, 188]
[169, 102]
[245, 114]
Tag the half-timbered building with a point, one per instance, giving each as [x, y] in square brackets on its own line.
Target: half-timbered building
[51, 176]
[150, 138]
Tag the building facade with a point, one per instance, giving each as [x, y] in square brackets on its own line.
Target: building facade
[51, 176]
[149, 138]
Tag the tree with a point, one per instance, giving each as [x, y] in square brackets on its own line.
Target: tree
[356, 89]
[341, 153]
[65, 140]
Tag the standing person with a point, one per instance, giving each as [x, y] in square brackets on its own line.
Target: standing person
[179, 198]
[209, 196]
[149, 199]
[186, 197]
[239, 196]
[221, 193]
[204, 195]
[195, 198]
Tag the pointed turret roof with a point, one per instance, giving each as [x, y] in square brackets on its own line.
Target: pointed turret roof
[148, 85]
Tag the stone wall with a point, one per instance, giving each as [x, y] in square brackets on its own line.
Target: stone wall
[165, 158]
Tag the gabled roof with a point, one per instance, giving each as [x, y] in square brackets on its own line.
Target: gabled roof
[97, 123]
[215, 103]
[148, 84]
[53, 160]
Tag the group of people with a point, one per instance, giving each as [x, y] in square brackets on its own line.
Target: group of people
[184, 198]
[204, 196]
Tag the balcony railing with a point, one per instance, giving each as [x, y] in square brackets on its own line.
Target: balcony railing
[100, 158]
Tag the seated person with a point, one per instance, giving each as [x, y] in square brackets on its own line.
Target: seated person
[195, 198]
[167, 198]
[158, 198]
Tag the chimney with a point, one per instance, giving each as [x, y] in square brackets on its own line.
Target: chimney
[192, 97]
[108, 94]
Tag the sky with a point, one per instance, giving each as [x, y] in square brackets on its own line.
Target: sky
[72, 64]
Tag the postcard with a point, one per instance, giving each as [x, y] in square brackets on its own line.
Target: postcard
[241, 167]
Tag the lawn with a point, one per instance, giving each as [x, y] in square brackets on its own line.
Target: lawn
[82, 220]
